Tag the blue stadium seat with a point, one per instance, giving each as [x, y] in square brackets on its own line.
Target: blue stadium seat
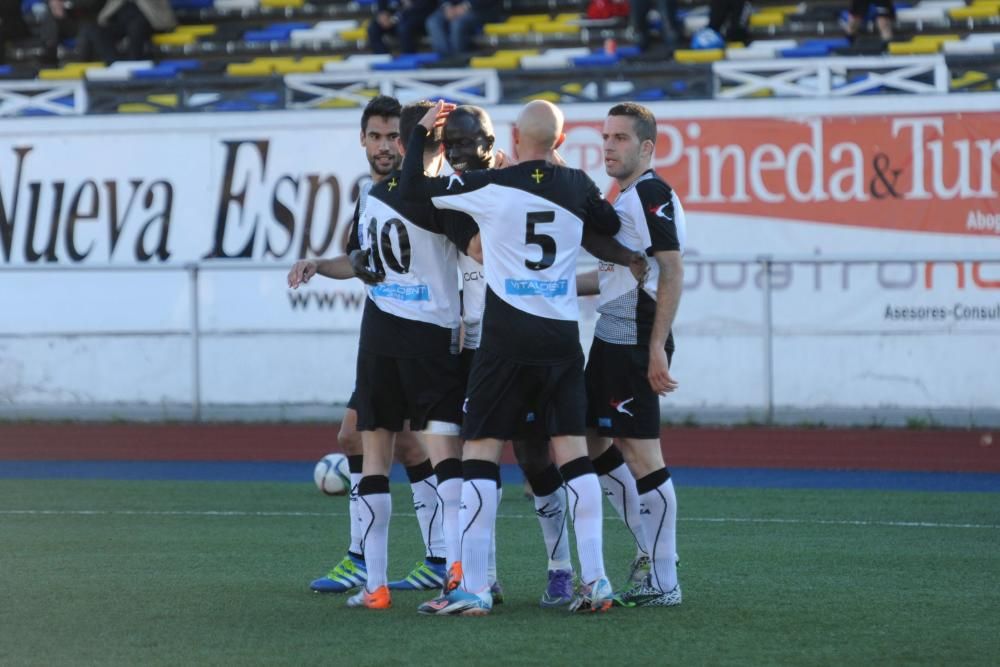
[595, 60]
[191, 4]
[815, 51]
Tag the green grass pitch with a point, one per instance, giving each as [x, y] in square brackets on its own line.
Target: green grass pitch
[178, 573]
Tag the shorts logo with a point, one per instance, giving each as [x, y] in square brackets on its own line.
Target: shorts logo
[620, 406]
[465, 407]
[530, 417]
[604, 422]
[546, 288]
[402, 292]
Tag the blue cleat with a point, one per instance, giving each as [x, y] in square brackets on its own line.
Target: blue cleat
[459, 603]
[559, 591]
[424, 576]
[345, 575]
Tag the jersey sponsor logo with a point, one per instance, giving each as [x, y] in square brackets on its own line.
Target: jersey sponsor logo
[546, 288]
[605, 267]
[402, 292]
[660, 212]
[455, 178]
[620, 406]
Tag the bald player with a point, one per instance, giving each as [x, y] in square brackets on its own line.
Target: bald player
[526, 379]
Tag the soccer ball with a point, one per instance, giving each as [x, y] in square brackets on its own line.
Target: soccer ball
[332, 475]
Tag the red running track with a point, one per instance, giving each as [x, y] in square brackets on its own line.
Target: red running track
[933, 450]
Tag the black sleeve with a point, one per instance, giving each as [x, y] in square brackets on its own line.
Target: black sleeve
[458, 227]
[415, 185]
[658, 203]
[599, 214]
[352, 237]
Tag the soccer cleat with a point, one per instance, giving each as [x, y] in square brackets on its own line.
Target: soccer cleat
[559, 592]
[648, 596]
[380, 598]
[596, 596]
[496, 593]
[345, 575]
[453, 579]
[458, 603]
[424, 576]
[639, 571]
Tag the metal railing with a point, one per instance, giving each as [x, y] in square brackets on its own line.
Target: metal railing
[765, 262]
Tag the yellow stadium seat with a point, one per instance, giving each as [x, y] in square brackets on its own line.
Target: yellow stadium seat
[506, 29]
[137, 107]
[698, 55]
[529, 18]
[548, 96]
[69, 71]
[297, 67]
[337, 103]
[250, 69]
[355, 34]
[83, 66]
[735, 45]
[174, 38]
[782, 9]
[986, 3]
[571, 16]
[282, 3]
[197, 30]
[767, 18]
[974, 12]
[496, 62]
[913, 48]
[973, 80]
[554, 28]
[517, 52]
[572, 88]
[164, 100]
[935, 39]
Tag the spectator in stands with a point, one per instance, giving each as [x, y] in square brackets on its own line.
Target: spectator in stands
[671, 26]
[402, 18]
[730, 19]
[885, 15]
[125, 28]
[456, 22]
[64, 19]
[12, 26]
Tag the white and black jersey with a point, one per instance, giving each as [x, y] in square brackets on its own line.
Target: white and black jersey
[473, 300]
[652, 220]
[415, 311]
[531, 218]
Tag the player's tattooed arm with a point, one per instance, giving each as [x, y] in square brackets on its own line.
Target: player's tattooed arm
[608, 249]
[587, 284]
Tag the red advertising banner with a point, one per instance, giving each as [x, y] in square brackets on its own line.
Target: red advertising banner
[923, 172]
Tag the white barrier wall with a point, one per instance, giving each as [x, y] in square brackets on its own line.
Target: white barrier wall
[144, 197]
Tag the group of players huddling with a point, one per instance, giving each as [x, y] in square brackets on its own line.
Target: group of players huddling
[501, 359]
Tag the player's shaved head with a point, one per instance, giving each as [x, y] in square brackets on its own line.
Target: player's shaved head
[540, 125]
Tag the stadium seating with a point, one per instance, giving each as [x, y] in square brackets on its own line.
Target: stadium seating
[538, 48]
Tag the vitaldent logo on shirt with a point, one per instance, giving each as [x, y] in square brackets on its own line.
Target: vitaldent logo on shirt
[402, 292]
[546, 288]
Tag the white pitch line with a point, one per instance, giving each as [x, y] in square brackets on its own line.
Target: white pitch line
[241, 513]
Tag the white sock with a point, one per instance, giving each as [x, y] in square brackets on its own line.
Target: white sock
[584, 495]
[429, 515]
[375, 510]
[478, 520]
[661, 522]
[357, 529]
[551, 513]
[450, 496]
[619, 488]
[491, 567]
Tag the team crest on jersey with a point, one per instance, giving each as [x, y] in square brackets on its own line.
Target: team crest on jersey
[455, 178]
[660, 211]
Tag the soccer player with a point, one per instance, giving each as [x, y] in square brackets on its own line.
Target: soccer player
[408, 364]
[379, 131]
[527, 377]
[628, 368]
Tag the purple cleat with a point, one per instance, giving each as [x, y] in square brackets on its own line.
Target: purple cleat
[559, 592]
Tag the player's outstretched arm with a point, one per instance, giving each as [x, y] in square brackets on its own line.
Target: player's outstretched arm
[359, 264]
[668, 297]
[338, 268]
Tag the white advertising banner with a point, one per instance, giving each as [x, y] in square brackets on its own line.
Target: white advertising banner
[244, 195]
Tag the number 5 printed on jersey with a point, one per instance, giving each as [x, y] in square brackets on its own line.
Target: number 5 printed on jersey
[543, 241]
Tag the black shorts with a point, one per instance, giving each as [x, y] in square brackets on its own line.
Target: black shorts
[467, 356]
[390, 390]
[620, 402]
[509, 400]
[352, 402]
